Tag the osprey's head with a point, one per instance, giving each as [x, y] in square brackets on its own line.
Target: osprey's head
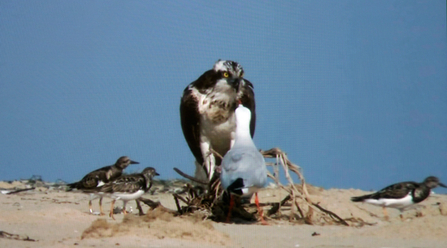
[223, 74]
[230, 71]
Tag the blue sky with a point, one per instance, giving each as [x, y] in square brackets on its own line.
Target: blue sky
[354, 91]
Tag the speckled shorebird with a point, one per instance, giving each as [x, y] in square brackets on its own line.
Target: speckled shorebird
[128, 187]
[401, 195]
[99, 177]
[243, 167]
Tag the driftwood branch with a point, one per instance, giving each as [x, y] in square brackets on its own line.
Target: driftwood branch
[331, 214]
[183, 174]
[294, 193]
[15, 191]
[215, 153]
[179, 209]
[154, 205]
[7, 235]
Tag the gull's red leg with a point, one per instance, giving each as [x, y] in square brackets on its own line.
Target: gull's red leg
[261, 212]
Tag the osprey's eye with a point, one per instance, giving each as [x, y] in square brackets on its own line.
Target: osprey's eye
[225, 74]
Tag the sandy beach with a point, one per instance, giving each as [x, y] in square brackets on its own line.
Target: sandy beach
[55, 218]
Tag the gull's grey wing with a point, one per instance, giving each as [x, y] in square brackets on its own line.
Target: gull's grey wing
[247, 164]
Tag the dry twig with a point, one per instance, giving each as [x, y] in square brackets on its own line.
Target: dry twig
[302, 207]
[7, 235]
[183, 174]
[296, 195]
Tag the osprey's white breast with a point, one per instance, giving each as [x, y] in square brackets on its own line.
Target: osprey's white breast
[217, 120]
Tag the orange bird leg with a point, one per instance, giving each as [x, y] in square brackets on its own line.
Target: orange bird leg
[112, 205]
[261, 212]
[385, 213]
[230, 208]
[90, 208]
[101, 212]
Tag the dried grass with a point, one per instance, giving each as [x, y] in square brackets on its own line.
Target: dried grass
[296, 207]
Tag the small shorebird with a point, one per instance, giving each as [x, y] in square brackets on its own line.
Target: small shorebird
[99, 177]
[128, 187]
[401, 195]
[243, 167]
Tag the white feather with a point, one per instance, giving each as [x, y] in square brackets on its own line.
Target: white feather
[392, 203]
[216, 124]
[127, 196]
[244, 160]
[220, 66]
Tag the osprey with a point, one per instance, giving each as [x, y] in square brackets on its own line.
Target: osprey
[207, 113]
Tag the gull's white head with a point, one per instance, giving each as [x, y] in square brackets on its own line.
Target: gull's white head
[243, 117]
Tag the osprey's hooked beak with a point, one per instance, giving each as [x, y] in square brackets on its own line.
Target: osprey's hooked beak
[235, 83]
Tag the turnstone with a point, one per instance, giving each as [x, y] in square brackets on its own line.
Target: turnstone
[207, 113]
[243, 167]
[99, 177]
[128, 187]
[401, 195]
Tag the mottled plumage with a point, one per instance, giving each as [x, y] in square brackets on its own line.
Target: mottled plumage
[207, 113]
[128, 187]
[401, 195]
[99, 177]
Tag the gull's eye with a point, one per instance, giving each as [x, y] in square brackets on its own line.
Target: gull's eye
[225, 74]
